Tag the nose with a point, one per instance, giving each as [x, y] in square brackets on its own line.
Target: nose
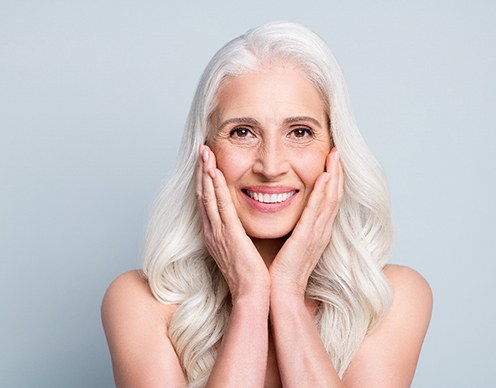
[272, 161]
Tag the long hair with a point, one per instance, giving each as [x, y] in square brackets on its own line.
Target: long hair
[348, 282]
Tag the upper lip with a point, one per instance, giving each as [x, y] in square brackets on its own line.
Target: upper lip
[270, 189]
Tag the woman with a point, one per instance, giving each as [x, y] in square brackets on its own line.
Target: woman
[265, 261]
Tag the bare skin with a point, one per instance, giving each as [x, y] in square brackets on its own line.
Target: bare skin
[142, 355]
[269, 172]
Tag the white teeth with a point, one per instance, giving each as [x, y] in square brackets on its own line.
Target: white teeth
[270, 198]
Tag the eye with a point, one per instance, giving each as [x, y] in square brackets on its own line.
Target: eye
[241, 132]
[301, 133]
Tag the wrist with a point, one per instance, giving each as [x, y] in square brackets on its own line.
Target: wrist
[254, 291]
[250, 285]
[254, 302]
[288, 281]
[286, 297]
[287, 289]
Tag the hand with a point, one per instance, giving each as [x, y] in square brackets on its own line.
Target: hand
[226, 240]
[299, 255]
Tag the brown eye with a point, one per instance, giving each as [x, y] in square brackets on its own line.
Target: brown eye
[301, 133]
[240, 132]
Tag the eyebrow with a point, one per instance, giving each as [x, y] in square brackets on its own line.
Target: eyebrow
[252, 121]
[295, 119]
[239, 120]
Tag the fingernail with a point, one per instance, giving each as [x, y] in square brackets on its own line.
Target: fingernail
[336, 155]
[200, 149]
[205, 155]
[211, 172]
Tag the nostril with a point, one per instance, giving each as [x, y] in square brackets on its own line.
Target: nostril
[271, 164]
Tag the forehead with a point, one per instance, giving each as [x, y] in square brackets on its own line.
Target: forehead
[274, 90]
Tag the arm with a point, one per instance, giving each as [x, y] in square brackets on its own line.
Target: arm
[300, 352]
[388, 356]
[242, 355]
[135, 325]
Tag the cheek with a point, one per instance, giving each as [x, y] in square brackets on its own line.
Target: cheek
[311, 166]
[230, 164]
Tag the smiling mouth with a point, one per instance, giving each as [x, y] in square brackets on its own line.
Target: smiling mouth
[269, 198]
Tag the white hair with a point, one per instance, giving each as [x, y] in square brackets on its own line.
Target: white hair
[348, 281]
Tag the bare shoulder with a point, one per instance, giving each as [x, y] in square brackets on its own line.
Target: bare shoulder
[411, 308]
[397, 272]
[410, 289]
[135, 325]
[130, 291]
[389, 354]
[127, 284]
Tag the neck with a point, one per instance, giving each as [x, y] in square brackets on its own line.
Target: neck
[268, 248]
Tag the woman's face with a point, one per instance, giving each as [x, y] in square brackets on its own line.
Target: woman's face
[271, 138]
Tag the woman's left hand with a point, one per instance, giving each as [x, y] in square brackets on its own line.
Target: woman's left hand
[299, 255]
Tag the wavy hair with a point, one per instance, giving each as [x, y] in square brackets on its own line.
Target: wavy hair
[348, 282]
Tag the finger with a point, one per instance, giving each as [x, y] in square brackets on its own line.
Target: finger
[333, 196]
[335, 183]
[199, 191]
[341, 181]
[198, 174]
[314, 206]
[319, 190]
[209, 199]
[324, 200]
[225, 205]
[328, 163]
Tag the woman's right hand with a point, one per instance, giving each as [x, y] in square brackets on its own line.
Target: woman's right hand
[235, 254]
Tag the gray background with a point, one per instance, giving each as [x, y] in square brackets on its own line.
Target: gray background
[93, 97]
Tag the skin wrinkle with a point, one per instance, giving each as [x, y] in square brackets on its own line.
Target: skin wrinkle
[274, 112]
[270, 274]
[318, 136]
[254, 122]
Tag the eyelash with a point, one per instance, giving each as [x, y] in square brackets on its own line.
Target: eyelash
[237, 130]
[297, 133]
[307, 131]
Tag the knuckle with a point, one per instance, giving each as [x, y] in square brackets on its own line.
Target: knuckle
[221, 205]
[205, 199]
[218, 234]
[334, 202]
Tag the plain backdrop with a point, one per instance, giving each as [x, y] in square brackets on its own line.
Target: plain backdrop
[93, 98]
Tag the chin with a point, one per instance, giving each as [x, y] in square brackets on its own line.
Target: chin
[268, 233]
[267, 236]
[269, 227]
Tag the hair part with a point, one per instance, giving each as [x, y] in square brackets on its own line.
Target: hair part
[348, 282]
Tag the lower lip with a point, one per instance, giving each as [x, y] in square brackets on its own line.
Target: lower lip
[269, 207]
